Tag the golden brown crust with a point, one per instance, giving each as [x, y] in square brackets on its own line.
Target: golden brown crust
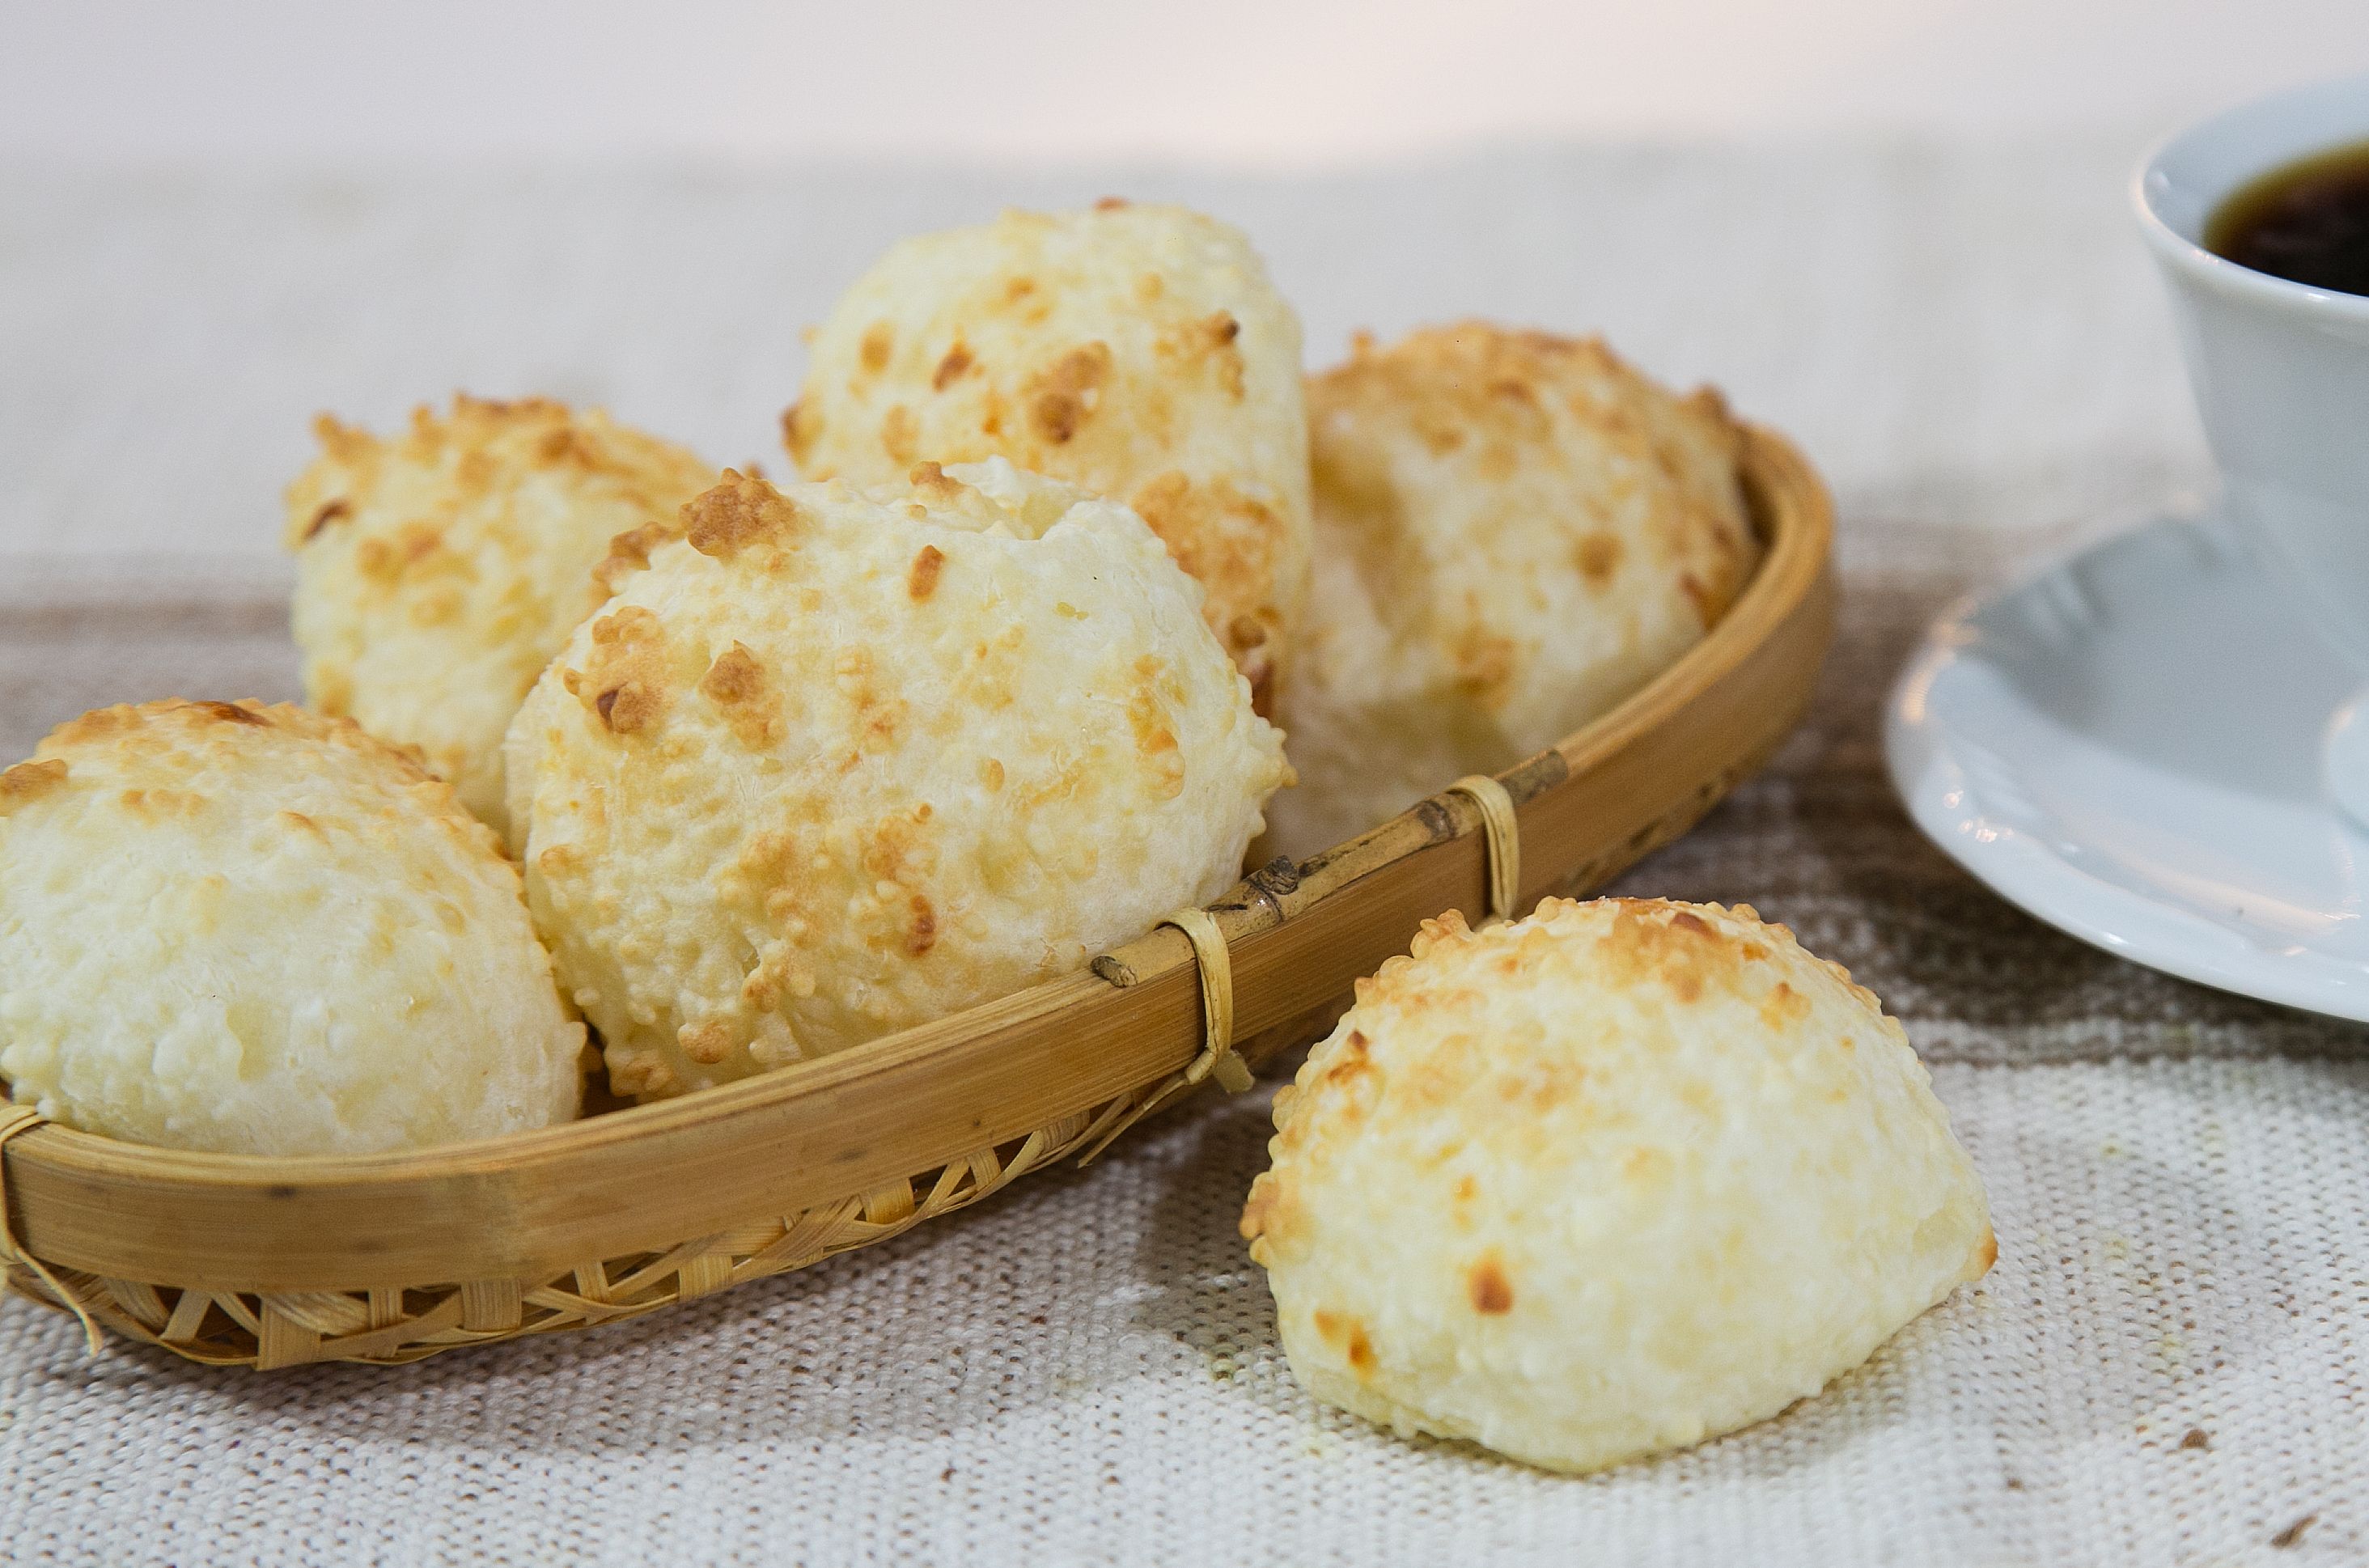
[1136, 351]
[1652, 944]
[1514, 532]
[1349, 1332]
[104, 725]
[629, 552]
[1476, 386]
[1485, 1283]
[328, 513]
[922, 578]
[790, 752]
[950, 369]
[1552, 1186]
[29, 781]
[1056, 396]
[178, 735]
[931, 482]
[624, 682]
[737, 513]
[441, 567]
[737, 682]
[537, 434]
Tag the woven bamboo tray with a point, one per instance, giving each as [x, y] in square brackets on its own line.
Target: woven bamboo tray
[252, 1262]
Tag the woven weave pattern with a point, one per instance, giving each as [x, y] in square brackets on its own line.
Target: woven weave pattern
[2170, 1364]
[272, 1329]
[391, 1325]
[374, 1307]
[2163, 1368]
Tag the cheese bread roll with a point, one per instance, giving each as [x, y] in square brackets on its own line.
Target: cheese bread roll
[1514, 532]
[1610, 1180]
[841, 761]
[1138, 352]
[439, 570]
[253, 930]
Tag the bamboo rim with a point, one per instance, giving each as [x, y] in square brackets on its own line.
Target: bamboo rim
[335, 1251]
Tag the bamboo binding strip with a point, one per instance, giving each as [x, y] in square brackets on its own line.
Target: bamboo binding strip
[260, 1263]
[1503, 824]
[1218, 1058]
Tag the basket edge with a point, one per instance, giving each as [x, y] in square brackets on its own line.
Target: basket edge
[1793, 589]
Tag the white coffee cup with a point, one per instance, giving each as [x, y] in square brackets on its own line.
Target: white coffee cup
[2281, 372]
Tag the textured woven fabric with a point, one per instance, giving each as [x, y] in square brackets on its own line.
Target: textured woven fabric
[2167, 1365]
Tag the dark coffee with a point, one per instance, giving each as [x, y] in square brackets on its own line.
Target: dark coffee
[2307, 221]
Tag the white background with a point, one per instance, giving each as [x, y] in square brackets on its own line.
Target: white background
[216, 219]
[1259, 82]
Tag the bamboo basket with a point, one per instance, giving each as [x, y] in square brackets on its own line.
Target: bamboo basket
[263, 1263]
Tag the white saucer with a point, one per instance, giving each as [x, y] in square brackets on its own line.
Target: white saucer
[2128, 745]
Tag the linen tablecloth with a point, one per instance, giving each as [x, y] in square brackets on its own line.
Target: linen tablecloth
[2167, 1365]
